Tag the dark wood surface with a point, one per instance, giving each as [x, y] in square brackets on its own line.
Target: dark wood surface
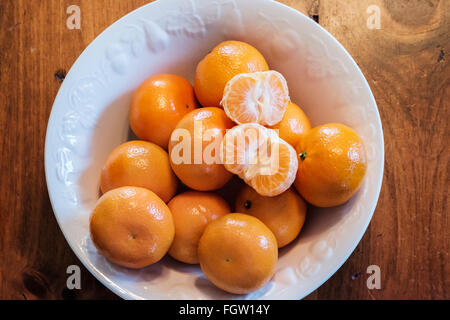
[406, 63]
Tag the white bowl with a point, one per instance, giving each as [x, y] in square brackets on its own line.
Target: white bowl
[90, 117]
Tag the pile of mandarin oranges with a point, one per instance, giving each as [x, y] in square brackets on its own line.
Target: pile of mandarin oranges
[162, 194]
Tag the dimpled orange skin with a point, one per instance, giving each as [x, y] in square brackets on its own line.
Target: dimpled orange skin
[284, 214]
[132, 227]
[225, 61]
[294, 124]
[238, 253]
[202, 176]
[332, 165]
[192, 211]
[157, 106]
[141, 164]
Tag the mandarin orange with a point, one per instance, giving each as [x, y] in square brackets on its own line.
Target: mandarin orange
[194, 149]
[132, 227]
[293, 125]
[157, 106]
[238, 253]
[225, 61]
[192, 211]
[332, 165]
[284, 214]
[141, 164]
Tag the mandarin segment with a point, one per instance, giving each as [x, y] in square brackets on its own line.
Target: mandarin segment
[141, 164]
[332, 165]
[238, 253]
[192, 211]
[132, 227]
[225, 61]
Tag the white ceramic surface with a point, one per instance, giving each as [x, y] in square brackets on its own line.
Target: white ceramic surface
[90, 117]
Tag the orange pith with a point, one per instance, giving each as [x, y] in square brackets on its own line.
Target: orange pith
[259, 97]
[258, 156]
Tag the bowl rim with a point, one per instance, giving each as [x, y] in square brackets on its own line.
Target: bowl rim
[116, 289]
[380, 178]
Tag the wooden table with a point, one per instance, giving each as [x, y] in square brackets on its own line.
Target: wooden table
[406, 63]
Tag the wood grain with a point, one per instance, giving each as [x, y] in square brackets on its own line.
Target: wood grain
[405, 63]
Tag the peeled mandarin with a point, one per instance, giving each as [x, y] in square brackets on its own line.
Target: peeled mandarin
[260, 157]
[258, 97]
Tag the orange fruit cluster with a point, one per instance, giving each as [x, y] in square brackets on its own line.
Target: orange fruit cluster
[243, 124]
